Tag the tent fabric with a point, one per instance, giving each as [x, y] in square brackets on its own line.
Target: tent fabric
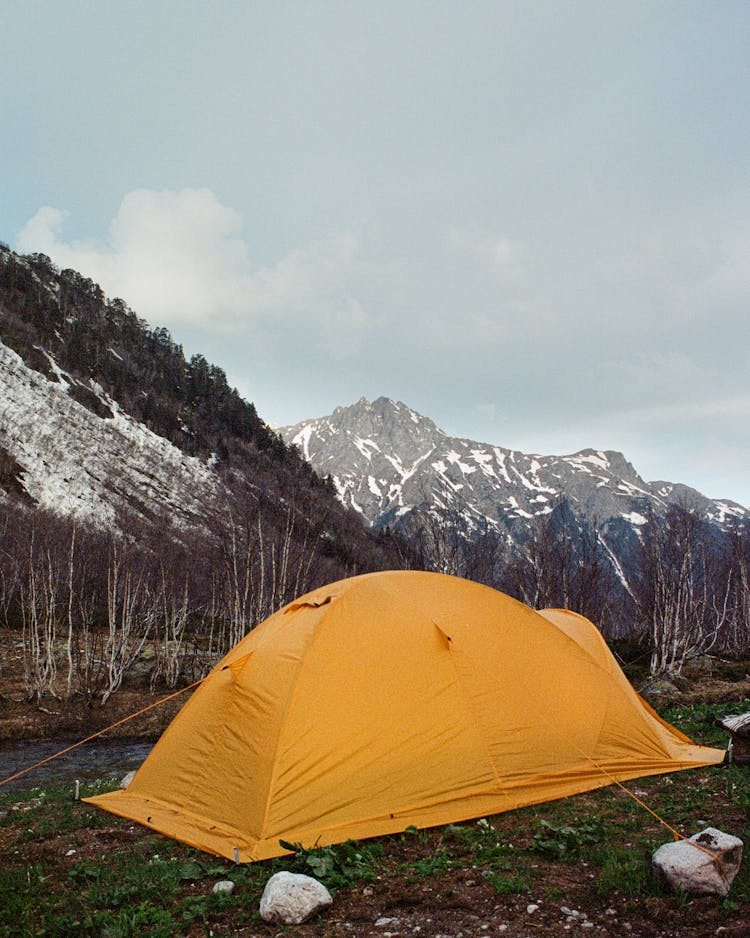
[395, 699]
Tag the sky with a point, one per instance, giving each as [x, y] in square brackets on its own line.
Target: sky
[528, 221]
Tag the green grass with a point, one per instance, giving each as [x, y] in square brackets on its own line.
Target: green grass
[133, 882]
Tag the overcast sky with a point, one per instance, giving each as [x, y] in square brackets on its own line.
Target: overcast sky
[529, 221]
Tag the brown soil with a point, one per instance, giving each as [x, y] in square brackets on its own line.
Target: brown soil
[459, 903]
[456, 904]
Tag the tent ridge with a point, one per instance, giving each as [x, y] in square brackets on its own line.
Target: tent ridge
[475, 721]
[288, 706]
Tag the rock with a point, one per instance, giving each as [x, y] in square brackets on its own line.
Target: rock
[127, 779]
[661, 688]
[224, 885]
[703, 664]
[291, 898]
[531, 908]
[684, 866]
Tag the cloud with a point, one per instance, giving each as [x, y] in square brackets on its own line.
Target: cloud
[180, 258]
[497, 254]
[486, 411]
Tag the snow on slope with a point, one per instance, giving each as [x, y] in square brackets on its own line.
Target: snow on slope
[77, 463]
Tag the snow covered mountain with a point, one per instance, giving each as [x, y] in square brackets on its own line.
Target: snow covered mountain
[93, 465]
[387, 462]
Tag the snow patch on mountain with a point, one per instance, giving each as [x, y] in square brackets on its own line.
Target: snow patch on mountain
[75, 462]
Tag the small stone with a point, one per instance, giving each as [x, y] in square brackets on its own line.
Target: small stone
[291, 898]
[367, 891]
[224, 885]
[379, 923]
[71, 852]
[127, 779]
[531, 908]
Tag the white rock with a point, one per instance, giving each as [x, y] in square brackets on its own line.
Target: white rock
[291, 898]
[684, 866]
[532, 907]
[127, 779]
[224, 885]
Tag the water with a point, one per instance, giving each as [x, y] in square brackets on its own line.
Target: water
[100, 758]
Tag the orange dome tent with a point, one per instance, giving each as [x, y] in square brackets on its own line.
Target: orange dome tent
[389, 700]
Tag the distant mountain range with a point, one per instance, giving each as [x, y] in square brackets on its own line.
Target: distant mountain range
[390, 464]
[103, 421]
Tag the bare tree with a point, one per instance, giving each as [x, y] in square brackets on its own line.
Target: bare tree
[683, 604]
[173, 615]
[736, 638]
[130, 617]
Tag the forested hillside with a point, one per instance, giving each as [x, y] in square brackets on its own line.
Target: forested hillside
[143, 503]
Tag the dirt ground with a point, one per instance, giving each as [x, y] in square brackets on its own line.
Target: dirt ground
[459, 903]
[563, 897]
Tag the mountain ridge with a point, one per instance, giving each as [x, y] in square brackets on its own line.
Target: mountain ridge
[368, 424]
[393, 465]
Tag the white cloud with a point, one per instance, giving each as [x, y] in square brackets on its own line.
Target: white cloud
[180, 258]
[486, 411]
[499, 255]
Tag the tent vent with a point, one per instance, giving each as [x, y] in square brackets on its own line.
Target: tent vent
[308, 604]
[444, 635]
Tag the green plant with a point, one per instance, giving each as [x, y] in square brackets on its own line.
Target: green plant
[433, 865]
[337, 865]
[626, 871]
[565, 840]
[483, 840]
[507, 885]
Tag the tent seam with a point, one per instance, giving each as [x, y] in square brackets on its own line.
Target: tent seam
[289, 702]
[473, 716]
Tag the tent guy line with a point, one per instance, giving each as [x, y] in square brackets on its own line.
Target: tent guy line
[62, 752]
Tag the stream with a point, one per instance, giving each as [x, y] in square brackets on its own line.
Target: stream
[100, 758]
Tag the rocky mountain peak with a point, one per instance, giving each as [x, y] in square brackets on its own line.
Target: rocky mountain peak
[387, 462]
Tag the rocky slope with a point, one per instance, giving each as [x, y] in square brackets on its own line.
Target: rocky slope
[92, 466]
